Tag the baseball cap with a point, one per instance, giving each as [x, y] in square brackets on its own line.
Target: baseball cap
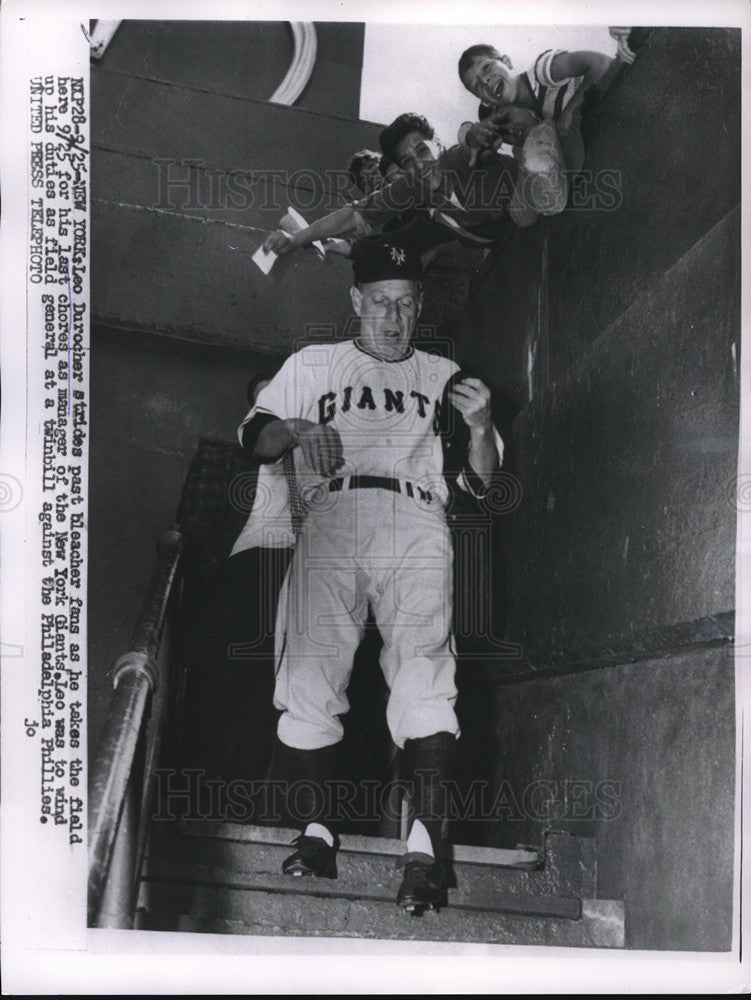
[382, 258]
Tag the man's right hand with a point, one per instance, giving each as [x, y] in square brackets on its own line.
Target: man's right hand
[279, 242]
[321, 446]
[482, 135]
[512, 124]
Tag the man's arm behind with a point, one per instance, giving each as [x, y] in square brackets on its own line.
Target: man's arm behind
[407, 192]
[271, 437]
[472, 448]
[340, 222]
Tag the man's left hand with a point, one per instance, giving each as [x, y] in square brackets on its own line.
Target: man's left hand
[512, 124]
[471, 398]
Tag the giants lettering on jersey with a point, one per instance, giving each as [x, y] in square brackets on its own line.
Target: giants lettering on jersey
[393, 401]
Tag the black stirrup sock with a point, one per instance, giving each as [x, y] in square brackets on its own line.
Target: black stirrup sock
[305, 779]
[427, 766]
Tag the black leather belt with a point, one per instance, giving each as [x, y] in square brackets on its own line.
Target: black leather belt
[379, 483]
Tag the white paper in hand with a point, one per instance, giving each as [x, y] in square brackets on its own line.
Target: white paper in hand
[263, 259]
[291, 223]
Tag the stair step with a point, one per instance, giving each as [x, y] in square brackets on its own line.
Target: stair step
[464, 898]
[519, 857]
[567, 865]
[201, 856]
[226, 909]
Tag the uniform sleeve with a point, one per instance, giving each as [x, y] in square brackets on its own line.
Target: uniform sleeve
[281, 399]
[470, 482]
[455, 440]
[542, 68]
[250, 429]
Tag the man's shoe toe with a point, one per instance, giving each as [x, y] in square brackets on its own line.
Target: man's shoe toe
[312, 857]
[422, 884]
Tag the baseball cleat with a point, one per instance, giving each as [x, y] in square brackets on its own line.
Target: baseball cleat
[422, 884]
[312, 857]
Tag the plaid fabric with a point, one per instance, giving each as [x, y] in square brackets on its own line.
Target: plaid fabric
[216, 500]
[297, 507]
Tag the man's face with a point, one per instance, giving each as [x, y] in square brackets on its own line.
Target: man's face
[490, 80]
[370, 175]
[414, 151]
[388, 312]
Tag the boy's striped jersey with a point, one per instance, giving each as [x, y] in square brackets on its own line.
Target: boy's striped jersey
[551, 97]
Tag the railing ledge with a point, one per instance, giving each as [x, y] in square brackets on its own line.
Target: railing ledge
[137, 662]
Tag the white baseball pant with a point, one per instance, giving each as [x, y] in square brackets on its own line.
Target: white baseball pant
[360, 547]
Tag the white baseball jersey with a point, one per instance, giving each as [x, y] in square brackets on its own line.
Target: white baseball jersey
[364, 547]
[387, 414]
[269, 525]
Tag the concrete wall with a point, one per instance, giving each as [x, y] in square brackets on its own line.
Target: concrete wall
[171, 268]
[627, 464]
[611, 338]
[192, 167]
[245, 59]
[640, 757]
[662, 169]
[152, 399]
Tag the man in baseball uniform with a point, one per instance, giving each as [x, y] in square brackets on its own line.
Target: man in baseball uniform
[363, 420]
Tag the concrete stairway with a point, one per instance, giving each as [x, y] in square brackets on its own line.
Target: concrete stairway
[226, 878]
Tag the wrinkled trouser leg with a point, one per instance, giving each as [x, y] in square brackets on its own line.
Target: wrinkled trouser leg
[541, 185]
[412, 600]
[367, 546]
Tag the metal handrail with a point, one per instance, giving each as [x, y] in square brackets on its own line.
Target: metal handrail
[135, 677]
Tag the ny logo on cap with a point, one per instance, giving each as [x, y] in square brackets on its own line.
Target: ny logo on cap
[397, 255]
